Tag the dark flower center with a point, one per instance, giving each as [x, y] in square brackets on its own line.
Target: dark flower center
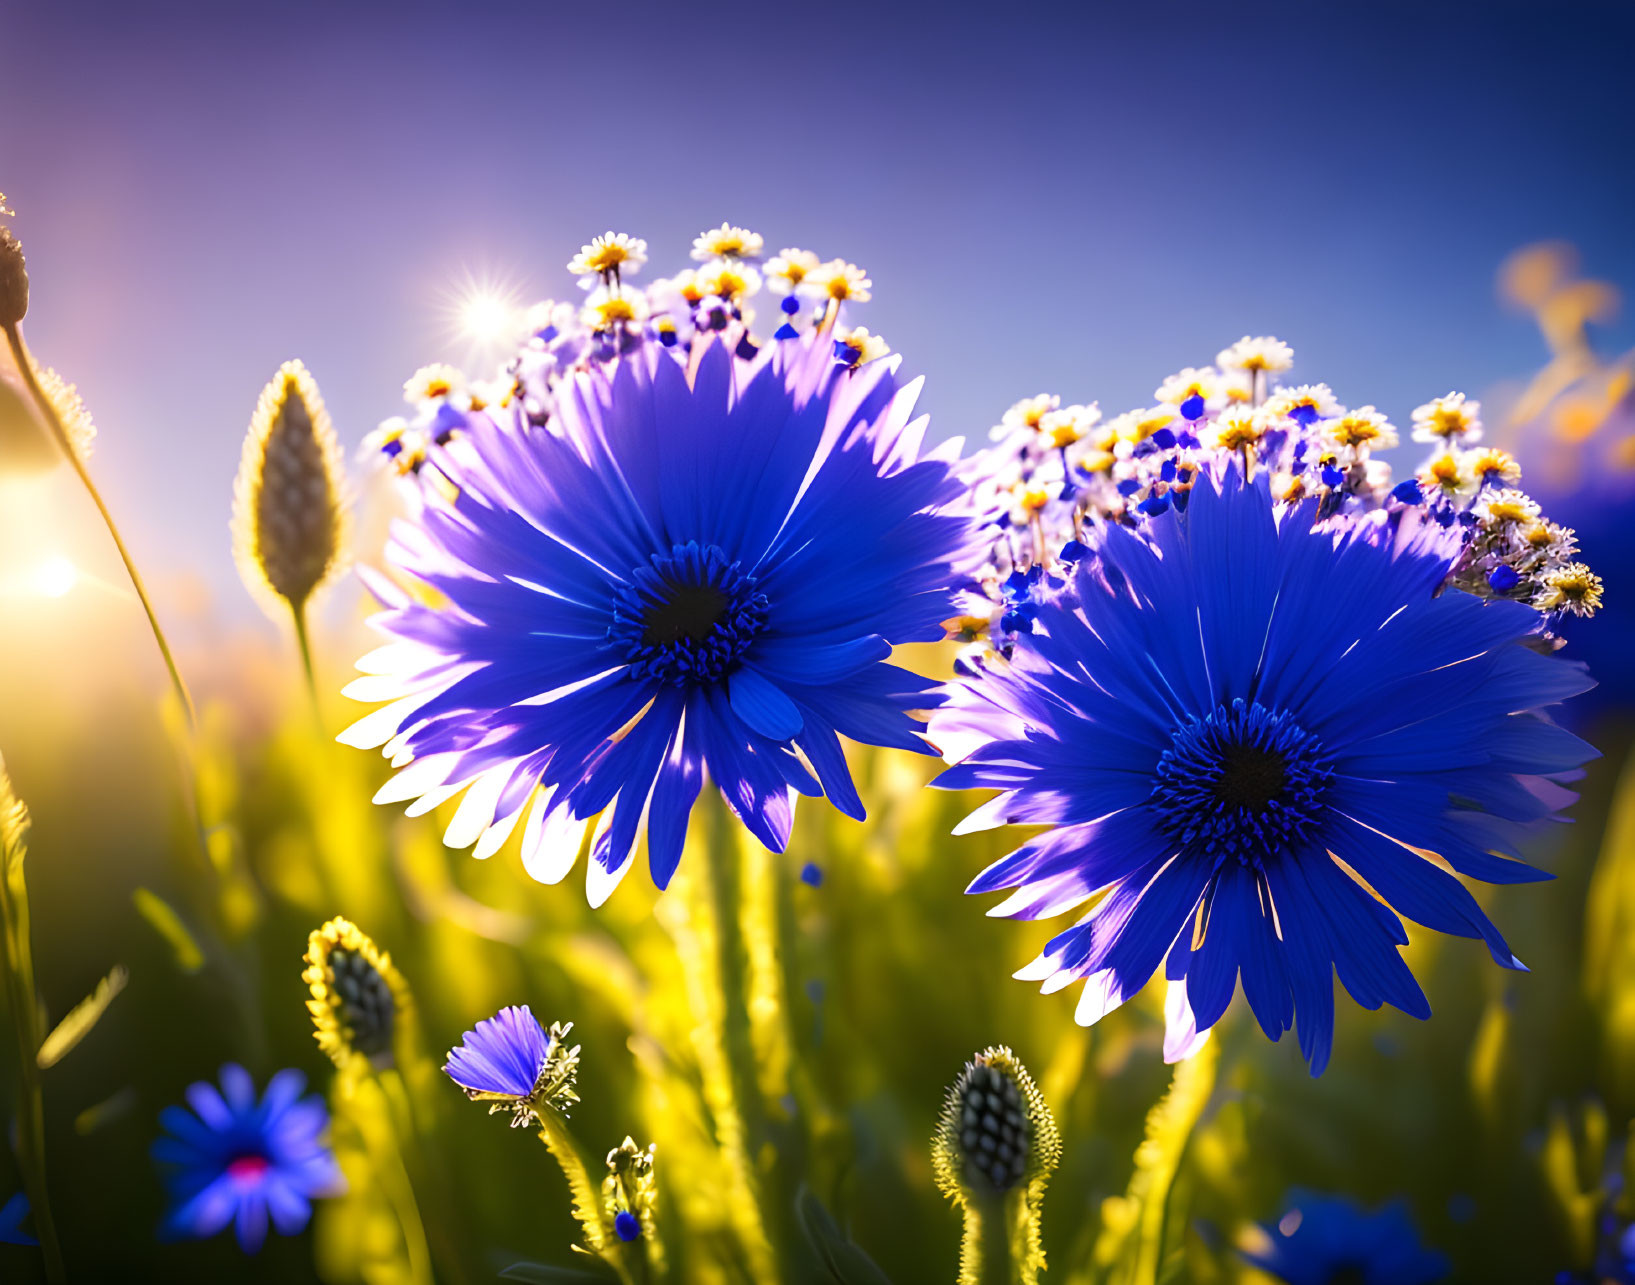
[691, 614]
[687, 616]
[1251, 776]
[1348, 1274]
[1241, 782]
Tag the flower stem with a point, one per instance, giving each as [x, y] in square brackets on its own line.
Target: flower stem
[385, 1150]
[303, 642]
[600, 1239]
[14, 337]
[709, 941]
[986, 1255]
[410, 1140]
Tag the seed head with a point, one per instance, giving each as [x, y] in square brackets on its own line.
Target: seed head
[289, 510]
[995, 1133]
[358, 999]
[65, 400]
[13, 274]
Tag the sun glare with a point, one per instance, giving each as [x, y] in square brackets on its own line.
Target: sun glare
[487, 319]
[483, 313]
[54, 578]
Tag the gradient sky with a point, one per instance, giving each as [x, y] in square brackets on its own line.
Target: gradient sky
[1077, 199]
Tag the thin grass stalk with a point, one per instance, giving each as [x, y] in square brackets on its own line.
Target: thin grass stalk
[382, 1141]
[1188, 1096]
[303, 643]
[425, 1172]
[1136, 1226]
[24, 1003]
[183, 697]
[14, 336]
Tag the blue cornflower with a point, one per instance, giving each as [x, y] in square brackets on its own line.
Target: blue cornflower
[661, 565]
[514, 1064]
[232, 1159]
[1258, 733]
[1324, 1240]
[11, 1222]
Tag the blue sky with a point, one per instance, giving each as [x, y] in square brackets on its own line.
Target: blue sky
[1075, 201]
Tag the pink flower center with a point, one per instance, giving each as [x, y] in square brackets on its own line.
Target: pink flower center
[248, 1168]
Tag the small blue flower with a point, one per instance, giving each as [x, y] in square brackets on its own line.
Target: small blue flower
[513, 1063]
[1323, 1239]
[626, 1226]
[503, 1055]
[811, 874]
[11, 1222]
[232, 1159]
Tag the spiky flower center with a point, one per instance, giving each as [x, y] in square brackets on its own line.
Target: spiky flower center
[993, 1128]
[1241, 782]
[687, 616]
[367, 1006]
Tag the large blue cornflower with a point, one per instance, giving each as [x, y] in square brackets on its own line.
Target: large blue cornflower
[1324, 1240]
[232, 1159]
[666, 561]
[1257, 732]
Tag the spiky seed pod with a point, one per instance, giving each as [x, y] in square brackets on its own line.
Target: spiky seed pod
[26, 439]
[13, 275]
[994, 1150]
[65, 400]
[289, 509]
[358, 999]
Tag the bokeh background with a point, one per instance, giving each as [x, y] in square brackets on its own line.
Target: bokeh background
[1069, 198]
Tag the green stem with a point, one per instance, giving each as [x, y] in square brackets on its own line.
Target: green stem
[710, 945]
[732, 959]
[1001, 1239]
[744, 1125]
[586, 1195]
[426, 1172]
[303, 641]
[25, 1015]
[242, 986]
[386, 1159]
[54, 421]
